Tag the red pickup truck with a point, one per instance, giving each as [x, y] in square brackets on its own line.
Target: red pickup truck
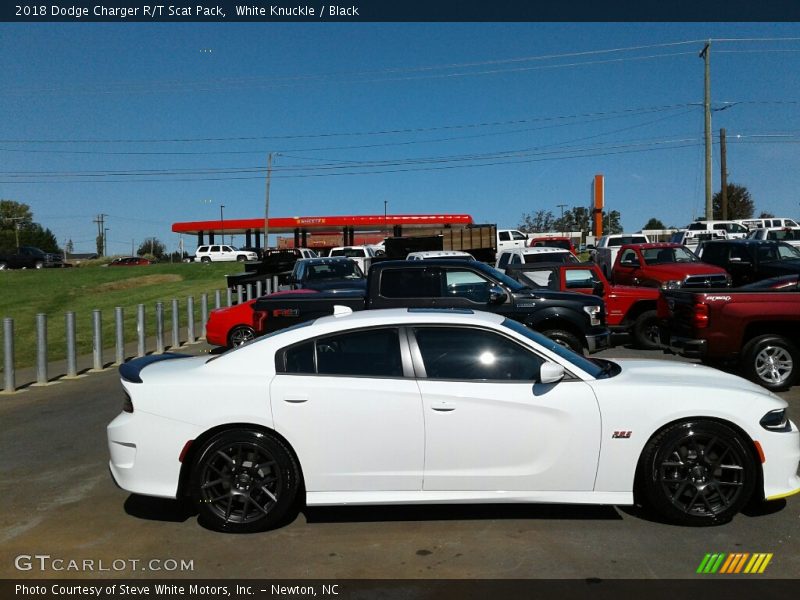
[755, 330]
[629, 309]
[665, 266]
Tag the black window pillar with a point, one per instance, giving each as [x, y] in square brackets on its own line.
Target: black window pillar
[247, 239]
[200, 238]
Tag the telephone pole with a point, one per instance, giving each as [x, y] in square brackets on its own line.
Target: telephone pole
[266, 200]
[100, 220]
[706, 56]
[723, 167]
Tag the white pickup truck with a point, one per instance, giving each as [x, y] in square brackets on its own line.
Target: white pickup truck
[605, 251]
[362, 255]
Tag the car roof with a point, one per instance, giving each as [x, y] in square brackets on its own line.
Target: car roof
[316, 260]
[550, 265]
[438, 253]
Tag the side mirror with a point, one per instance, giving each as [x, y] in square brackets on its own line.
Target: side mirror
[599, 288]
[551, 372]
[497, 295]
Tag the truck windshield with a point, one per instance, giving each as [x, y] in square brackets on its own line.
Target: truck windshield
[514, 286]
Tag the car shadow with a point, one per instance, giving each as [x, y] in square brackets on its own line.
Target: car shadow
[159, 509]
[457, 512]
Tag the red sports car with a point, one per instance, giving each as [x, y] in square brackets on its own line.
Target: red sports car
[234, 325]
[129, 261]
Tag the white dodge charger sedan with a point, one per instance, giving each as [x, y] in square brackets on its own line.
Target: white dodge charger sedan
[443, 406]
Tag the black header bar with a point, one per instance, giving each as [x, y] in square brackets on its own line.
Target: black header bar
[282, 11]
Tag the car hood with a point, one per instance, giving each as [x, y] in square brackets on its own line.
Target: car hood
[666, 373]
[680, 270]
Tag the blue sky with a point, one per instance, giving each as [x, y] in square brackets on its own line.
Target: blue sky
[482, 123]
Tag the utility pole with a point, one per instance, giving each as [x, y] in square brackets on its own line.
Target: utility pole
[723, 167]
[105, 241]
[266, 200]
[100, 220]
[706, 56]
[222, 223]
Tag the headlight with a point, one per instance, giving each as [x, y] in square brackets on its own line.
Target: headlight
[775, 420]
[594, 314]
[672, 284]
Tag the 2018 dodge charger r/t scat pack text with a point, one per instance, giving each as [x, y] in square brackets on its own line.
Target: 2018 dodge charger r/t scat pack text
[406, 406]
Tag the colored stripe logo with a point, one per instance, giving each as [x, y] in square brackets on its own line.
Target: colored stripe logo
[738, 562]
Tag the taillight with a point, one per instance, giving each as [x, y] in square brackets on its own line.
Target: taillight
[700, 316]
[127, 404]
[259, 316]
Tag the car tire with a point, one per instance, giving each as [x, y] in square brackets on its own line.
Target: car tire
[205, 259]
[565, 338]
[241, 334]
[685, 479]
[3, 265]
[38, 265]
[772, 361]
[244, 481]
[241, 258]
[645, 331]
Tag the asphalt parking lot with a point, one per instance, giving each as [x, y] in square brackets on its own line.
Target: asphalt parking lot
[59, 501]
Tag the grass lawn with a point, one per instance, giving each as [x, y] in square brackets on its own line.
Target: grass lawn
[24, 293]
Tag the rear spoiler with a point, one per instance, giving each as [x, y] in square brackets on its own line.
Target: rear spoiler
[131, 371]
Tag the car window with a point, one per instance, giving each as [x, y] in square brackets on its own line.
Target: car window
[203, 249]
[739, 253]
[697, 227]
[785, 251]
[300, 359]
[214, 249]
[545, 278]
[504, 236]
[629, 257]
[474, 354]
[409, 283]
[518, 236]
[515, 259]
[580, 278]
[503, 260]
[370, 353]
[461, 283]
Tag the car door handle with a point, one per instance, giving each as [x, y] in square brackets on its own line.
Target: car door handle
[443, 406]
[295, 399]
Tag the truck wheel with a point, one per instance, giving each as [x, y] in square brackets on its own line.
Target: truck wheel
[771, 361]
[565, 338]
[645, 331]
[241, 258]
[205, 259]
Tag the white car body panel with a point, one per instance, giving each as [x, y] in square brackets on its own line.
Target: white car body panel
[366, 440]
[526, 423]
[319, 414]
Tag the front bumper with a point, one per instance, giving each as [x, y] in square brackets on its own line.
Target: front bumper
[598, 341]
[782, 463]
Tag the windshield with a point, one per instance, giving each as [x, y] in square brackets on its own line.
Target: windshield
[582, 363]
[349, 252]
[513, 285]
[660, 256]
[335, 270]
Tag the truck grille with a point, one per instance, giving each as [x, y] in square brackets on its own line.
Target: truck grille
[705, 281]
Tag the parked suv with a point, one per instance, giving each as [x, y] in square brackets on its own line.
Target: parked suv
[732, 229]
[223, 253]
[28, 257]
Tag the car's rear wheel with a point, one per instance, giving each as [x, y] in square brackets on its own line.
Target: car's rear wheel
[565, 338]
[698, 473]
[772, 361]
[645, 331]
[241, 334]
[244, 481]
[205, 259]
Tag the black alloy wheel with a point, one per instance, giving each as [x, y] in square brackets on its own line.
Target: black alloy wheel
[698, 473]
[244, 481]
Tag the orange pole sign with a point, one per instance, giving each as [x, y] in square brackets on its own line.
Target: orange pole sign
[597, 210]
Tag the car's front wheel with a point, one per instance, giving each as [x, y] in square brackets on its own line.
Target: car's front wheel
[698, 473]
[565, 338]
[772, 361]
[38, 265]
[240, 334]
[244, 481]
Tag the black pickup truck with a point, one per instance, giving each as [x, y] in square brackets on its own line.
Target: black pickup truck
[751, 260]
[28, 257]
[574, 320]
